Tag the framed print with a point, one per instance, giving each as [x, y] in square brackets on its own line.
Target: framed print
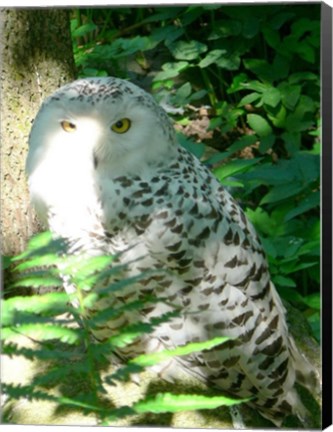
[167, 215]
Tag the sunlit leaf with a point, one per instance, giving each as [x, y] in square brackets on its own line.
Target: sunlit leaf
[308, 203]
[152, 359]
[259, 125]
[187, 50]
[168, 402]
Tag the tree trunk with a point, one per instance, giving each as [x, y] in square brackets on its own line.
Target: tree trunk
[36, 58]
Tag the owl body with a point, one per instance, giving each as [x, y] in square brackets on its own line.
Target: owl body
[106, 173]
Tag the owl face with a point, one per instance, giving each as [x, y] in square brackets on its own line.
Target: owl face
[106, 124]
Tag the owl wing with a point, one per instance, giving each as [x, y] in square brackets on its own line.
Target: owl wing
[183, 221]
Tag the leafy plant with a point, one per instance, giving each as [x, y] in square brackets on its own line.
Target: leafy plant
[58, 338]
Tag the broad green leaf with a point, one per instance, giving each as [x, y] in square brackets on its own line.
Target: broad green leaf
[293, 267]
[290, 294]
[302, 76]
[198, 95]
[272, 36]
[282, 192]
[183, 93]
[269, 247]
[255, 85]
[290, 94]
[261, 68]
[271, 174]
[292, 142]
[230, 62]
[308, 166]
[248, 99]
[89, 72]
[41, 304]
[311, 248]
[234, 167]
[212, 57]
[42, 332]
[232, 183]
[283, 281]
[168, 402]
[171, 70]
[187, 50]
[303, 25]
[302, 118]
[271, 97]
[238, 83]
[287, 247]
[123, 47]
[308, 203]
[259, 125]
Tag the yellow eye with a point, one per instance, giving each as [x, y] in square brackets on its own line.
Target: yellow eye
[68, 126]
[121, 126]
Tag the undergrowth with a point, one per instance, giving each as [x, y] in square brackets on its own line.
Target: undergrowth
[59, 326]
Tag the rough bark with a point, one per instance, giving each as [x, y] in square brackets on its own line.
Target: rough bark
[36, 58]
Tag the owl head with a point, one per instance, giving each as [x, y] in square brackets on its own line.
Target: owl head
[107, 124]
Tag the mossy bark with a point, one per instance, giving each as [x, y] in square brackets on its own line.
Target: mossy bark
[36, 58]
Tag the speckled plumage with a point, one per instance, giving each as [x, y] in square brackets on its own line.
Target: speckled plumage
[140, 194]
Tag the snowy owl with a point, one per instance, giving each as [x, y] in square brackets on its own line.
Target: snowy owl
[106, 173]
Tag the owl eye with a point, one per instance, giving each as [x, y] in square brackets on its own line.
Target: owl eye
[121, 126]
[68, 126]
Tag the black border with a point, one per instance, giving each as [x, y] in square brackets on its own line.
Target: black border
[326, 100]
[326, 193]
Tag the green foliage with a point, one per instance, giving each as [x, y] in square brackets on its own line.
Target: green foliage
[167, 402]
[51, 321]
[257, 68]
